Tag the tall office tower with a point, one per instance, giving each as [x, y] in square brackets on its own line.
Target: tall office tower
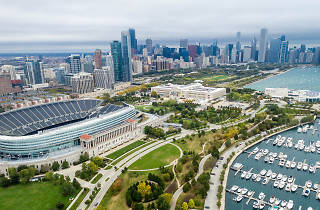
[134, 42]
[117, 60]
[109, 62]
[126, 56]
[75, 63]
[34, 72]
[303, 48]
[97, 59]
[60, 75]
[254, 49]
[103, 77]
[149, 45]
[192, 51]
[262, 45]
[183, 52]
[246, 56]
[316, 56]
[284, 52]
[238, 44]
[184, 43]
[275, 45]
[283, 38]
[82, 83]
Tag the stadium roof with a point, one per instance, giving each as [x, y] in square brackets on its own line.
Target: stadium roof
[33, 119]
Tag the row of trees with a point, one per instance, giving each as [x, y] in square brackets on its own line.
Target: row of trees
[154, 132]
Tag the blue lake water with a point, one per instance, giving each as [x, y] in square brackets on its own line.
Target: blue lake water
[298, 78]
[257, 165]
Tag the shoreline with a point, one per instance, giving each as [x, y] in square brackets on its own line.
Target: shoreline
[268, 77]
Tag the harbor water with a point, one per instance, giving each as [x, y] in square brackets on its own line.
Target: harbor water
[306, 78]
[269, 190]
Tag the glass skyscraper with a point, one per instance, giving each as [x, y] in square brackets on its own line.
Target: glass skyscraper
[126, 56]
[117, 60]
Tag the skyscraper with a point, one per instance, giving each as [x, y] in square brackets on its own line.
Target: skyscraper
[97, 59]
[134, 41]
[275, 50]
[238, 44]
[117, 60]
[126, 56]
[254, 49]
[103, 77]
[34, 72]
[149, 45]
[262, 45]
[184, 43]
[284, 51]
[75, 64]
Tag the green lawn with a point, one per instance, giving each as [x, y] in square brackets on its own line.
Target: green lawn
[126, 149]
[132, 151]
[80, 199]
[159, 157]
[42, 195]
[216, 78]
[96, 179]
[146, 108]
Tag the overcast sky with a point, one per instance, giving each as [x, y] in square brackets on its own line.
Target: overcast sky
[103, 20]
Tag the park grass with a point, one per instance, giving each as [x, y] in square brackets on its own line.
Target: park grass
[130, 152]
[216, 78]
[96, 179]
[159, 157]
[80, 199]
[125, 149]
[39, 195]
[194, 144]
[119, 201]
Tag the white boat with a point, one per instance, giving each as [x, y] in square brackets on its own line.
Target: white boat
[293, 164]
[288, 164]
[276, 183]
[288, 187]
[258, 179]
[317, 144]
[261, 196]
[308, 184]
[262, 205]
[309, 208]
[243, 175]
[255, 205]
[284, 178]
[269, 173]
[312, 149]
[290, 179]
[254, 176]
[274, 175]
[294, 187]
[265, 181]
[307, 149]
[299, 130]
[284, 203]
[265, 152]
[312, 169]
[279, 177]
[239, 198]
[234, 188]
[255, 150]
[272, 199]
[306, 192]
[266, 159]
[316, 186]
[250, 193]
[290, 144]
[239, 190]
[271, 160]
[263, 172]
[299, 166]
[281, 184]
[244, 191]
[257, 156]
[274, 155]
[305, 167]
[248, 176]
[275, 142]
[281, 162]
[290, 204]
[277, 202]
[296, 146]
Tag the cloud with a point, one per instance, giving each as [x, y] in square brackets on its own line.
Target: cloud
[103, 20]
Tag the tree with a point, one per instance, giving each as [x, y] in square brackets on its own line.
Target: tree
[26, 174]
[185, 206]
[14, 176]
[163, 203]
[144, 189]
[44, 168]
[65, 164]
[67, 189]
[214, 152]
[60, 205]
[55, 166]
[138, 206]
[98, 161]
[49, 176]
[84, 157]
[76, 184]
[228, 143]
[167, 196]
[186, 187]
[92, 168]
[191, 204]
[4, 182]
[154, 94]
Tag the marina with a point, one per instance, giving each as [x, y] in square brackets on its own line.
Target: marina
[281, 170]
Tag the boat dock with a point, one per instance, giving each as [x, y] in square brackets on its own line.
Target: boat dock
[250, 198]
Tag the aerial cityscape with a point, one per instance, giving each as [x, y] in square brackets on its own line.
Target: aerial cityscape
[109, 110]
